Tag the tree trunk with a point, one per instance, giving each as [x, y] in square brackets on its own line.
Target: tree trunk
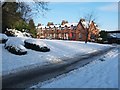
[86, 40]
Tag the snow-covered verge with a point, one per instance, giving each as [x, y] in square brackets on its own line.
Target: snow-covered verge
[97, 74]
[59, 50]
[101, 73]
[3, 38]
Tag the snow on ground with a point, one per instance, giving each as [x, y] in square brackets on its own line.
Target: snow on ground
[97, 74]
[59, 50]
[3, 36]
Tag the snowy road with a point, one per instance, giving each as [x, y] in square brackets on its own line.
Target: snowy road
[101, 73]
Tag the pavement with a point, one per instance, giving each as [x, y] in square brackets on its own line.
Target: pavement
[26, 77]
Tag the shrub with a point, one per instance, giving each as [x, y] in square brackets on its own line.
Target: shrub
[15, 47]
[36, 45]
[16, 50]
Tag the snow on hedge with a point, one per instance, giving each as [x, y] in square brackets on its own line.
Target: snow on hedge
[3, 38]
[25, 34]
[16, 33]
[15, 46]
[36, 44]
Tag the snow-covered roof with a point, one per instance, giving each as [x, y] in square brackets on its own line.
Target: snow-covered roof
[46, 26]
[95, 24]
[75, 24]
[41, 26]
[85, 24]
[57, 25]
[62, 25]
[70, 24]
[52, 26]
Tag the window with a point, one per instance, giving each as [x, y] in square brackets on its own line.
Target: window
[80, 36]
[73, 35]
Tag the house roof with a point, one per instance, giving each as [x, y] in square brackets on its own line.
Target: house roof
[57, 25]
[42, 26]
[85, 24]
[71, 24]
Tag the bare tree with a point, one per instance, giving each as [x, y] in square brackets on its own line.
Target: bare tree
[89, 17]
[29, 9]
[15, 10]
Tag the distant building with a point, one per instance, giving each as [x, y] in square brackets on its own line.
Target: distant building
[113, 37]
[69, 31]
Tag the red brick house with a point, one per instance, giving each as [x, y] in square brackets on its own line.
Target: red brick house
[69, 31]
